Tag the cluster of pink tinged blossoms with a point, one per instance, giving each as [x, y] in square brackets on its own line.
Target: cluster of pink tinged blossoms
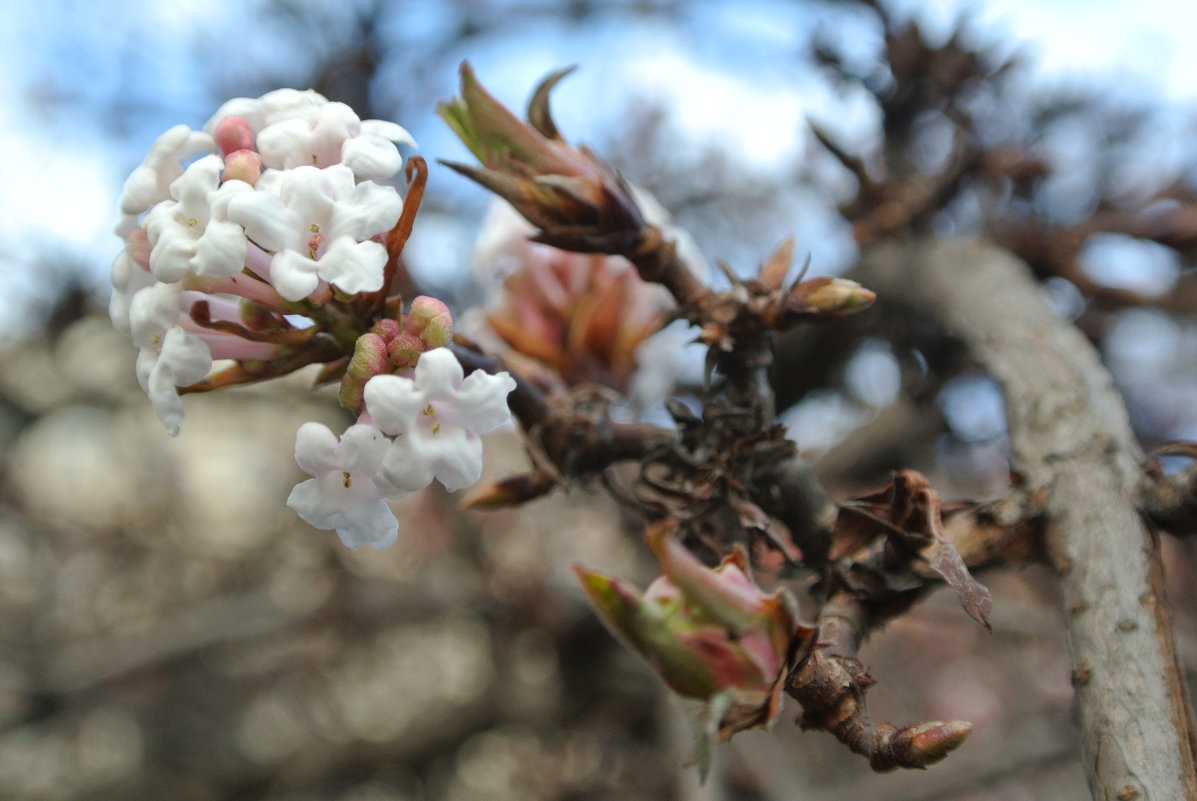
[269, 237]
[272, 211]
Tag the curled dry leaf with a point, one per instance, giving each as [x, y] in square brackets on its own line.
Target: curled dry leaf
[906, 518]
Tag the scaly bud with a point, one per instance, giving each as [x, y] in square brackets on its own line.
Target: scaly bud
[510, 491]
[927, 743]
[827, 297]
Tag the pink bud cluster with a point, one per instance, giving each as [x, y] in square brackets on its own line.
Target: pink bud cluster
[393, 345]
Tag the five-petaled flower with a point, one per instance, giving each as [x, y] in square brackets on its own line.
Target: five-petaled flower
[345, 492]
[315, 227]
[436, 418]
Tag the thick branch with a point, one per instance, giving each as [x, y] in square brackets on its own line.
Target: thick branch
[1073, 444]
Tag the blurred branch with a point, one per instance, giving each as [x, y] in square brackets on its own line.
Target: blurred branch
[1171, 500]
[1072, 442]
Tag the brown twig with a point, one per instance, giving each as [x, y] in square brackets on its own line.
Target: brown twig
[830, 684]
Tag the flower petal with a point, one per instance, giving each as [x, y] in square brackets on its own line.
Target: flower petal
[293, 275]
[220, 250]
[364, 520]
[368, 209]
[316, 449]
[371, 156]
[438, 374]
[481, 402]
[267, 221]
[353, 266]
[361, 449]
[393, 402]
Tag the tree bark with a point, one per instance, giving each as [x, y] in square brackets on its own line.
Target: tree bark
[1073, 446]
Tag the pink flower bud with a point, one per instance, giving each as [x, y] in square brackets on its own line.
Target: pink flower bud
[137, 245]
[430, 319]
[369, 359]
[233, 134]
[386, 328]
[242, 165]
[405, 349]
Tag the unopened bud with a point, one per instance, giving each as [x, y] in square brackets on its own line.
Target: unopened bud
[405, 349]
[369, 359]
[510, 491]
[242, 165]
[927, 743]
[386, 328]
[833, 296]
[233, 134]
[137, 245]
[430, 319]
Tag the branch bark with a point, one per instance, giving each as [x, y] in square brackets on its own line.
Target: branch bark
[1073, 444]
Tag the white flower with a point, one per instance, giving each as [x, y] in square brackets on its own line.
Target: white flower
[151, 181]
[436, 419]
[270, 108]
[316, 227]
[345, 492]
[128, 278]
[334, 134]
[170, 356]
[188, 234]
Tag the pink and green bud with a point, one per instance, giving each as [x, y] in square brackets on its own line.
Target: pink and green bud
[405, 349]
[369, 359]
[706, 631]
[233, 134]
[242, 165]
[386, 328]
[431, 321]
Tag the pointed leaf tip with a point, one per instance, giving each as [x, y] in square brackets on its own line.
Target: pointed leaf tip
[539, 115]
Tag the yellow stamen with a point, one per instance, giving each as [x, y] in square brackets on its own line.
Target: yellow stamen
[346, 480]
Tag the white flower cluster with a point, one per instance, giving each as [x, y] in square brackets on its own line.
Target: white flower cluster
[282, 207]
[414, 430]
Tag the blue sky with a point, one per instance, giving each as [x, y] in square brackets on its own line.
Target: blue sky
[90, 84]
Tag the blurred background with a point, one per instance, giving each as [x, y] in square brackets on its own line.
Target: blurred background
[169, 630]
